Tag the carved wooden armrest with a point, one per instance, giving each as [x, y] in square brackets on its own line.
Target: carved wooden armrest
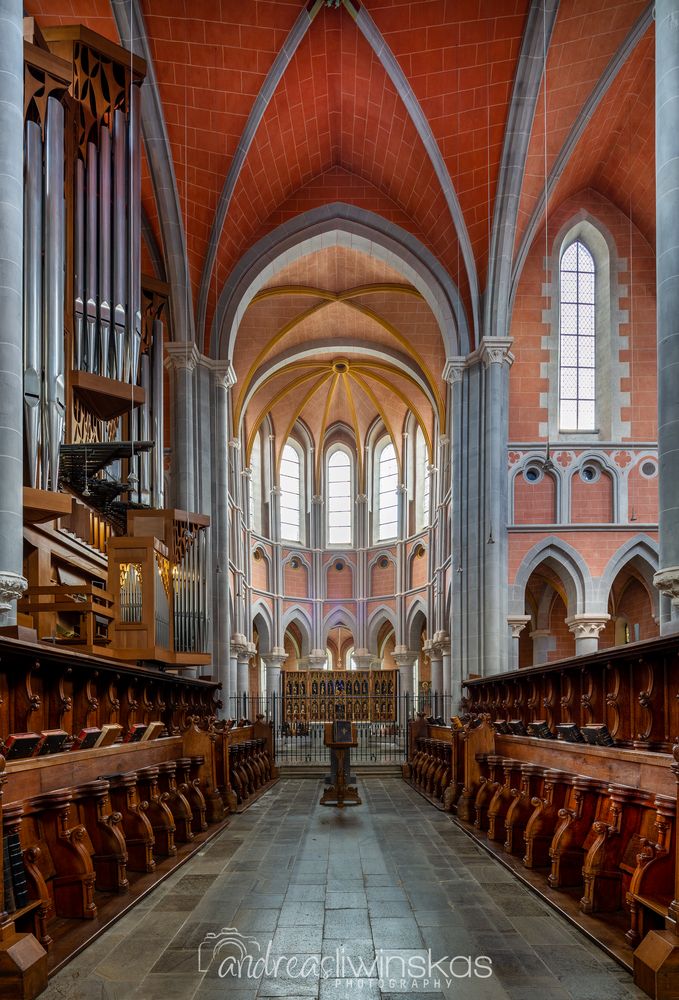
[36, 884]
[77, 834]
[648, 852]
[113, 818]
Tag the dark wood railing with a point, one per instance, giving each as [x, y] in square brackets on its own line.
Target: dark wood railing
[44, 687]
[632, 689]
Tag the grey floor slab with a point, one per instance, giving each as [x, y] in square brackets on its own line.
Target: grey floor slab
[341, 891]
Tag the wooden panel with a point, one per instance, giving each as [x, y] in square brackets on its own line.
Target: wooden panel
[26, 778]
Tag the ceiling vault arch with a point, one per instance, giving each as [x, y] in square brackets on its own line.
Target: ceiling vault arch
[527, 79]
[161, 164]
[601, 88]
[273, 77]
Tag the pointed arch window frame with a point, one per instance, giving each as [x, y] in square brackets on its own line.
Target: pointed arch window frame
[299, 494]
[384, 445]
[336, 504]
[577, 365]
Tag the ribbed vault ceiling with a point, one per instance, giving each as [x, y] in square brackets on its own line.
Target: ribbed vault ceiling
[273, 108]
[338, 338]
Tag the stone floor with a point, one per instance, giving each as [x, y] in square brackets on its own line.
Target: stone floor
[392, 879]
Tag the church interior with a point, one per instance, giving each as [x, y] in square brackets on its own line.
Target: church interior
[339, 455]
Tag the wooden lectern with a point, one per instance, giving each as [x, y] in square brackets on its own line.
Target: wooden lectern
[340, 736]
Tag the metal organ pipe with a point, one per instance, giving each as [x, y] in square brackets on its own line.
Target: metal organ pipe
[104, 250]
[119, 242]
[53, 326]
[157, 413]
[91, 261]
[144, 425]
[79, 262]
[32, 296]
[134, 235]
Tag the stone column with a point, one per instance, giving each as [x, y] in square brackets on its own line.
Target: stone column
[405, 661]
[317, 543]
[586, 629]
[667, 284]
[181, 358]
[224, 379]
[273, 662]
[433, 651]
[543, 641]
[12, 581]
[243, 669]
[497, 360]
[517, 624]
[454, 374]
[452, 686]
[238, 643]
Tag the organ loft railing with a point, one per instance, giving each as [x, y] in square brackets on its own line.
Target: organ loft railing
[158, 579]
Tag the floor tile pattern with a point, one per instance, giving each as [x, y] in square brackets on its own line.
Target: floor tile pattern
[370, 893]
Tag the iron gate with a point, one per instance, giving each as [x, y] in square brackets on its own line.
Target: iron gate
[299, 742]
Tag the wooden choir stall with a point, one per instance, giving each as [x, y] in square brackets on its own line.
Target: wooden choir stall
[568, 774]
[93, 825]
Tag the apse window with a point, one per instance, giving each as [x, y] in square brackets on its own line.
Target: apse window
[577, 344]
[291, 495]
[387, 495]
[339, 498]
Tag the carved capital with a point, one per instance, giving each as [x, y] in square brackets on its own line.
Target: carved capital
[181, 355]
[404, 657]
[587, 626]
[454, 370]
[517, 624]
[496, 351]
[224, 374]
[363, 659]
[275, 659]
[667, 582]
[317, 659]
[12, 587]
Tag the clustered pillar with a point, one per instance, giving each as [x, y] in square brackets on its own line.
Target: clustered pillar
[667, 279]
[12, 581]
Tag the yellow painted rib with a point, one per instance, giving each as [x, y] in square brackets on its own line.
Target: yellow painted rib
[357, 430]
[385, 420]
[284, 330]
[404, 399]
[268, 407]
[288, 430]
[321, 436]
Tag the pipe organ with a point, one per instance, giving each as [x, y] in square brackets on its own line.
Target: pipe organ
[44, 282]
[94, 331]
[117, 598]
[91, 361]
